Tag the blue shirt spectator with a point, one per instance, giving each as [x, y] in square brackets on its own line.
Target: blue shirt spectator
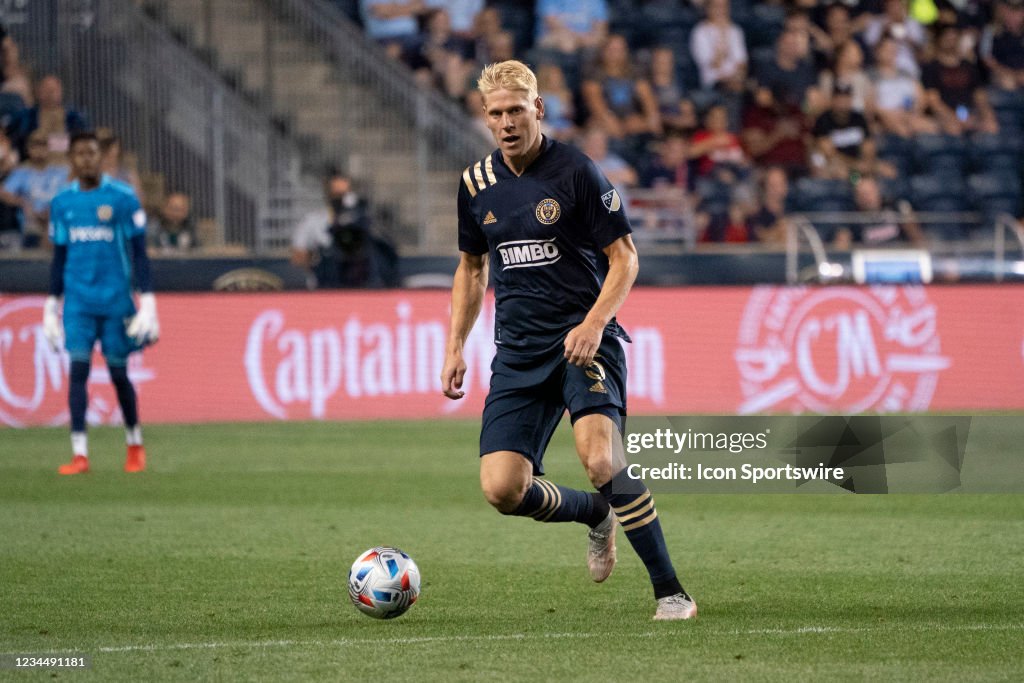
[462, 13]
[387, 20]
[56, 120]
[568, 25]
[32, 185]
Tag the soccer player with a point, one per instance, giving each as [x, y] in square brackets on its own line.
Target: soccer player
[98, 230]
[543, 215]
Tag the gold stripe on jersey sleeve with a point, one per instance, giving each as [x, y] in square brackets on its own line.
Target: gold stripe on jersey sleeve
[469, 182]
[479, 175]
[489, 167]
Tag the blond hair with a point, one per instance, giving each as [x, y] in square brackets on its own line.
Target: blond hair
[508, 75]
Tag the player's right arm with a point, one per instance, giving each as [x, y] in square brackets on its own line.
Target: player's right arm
[51, 308]
[468, 290]
[467, 299]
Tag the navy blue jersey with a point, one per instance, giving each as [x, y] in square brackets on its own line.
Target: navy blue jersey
[545, 231]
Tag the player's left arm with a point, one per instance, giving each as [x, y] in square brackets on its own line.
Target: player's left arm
[144, 326]
[583, 341]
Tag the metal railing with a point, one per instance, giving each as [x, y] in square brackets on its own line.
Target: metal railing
[348, 104]
[171, 110]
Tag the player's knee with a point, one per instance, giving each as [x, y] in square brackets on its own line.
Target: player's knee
[598, 465]
[119, 375]
[79, 373]
[505, 497]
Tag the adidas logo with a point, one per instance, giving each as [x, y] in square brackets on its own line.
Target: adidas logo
[489, 218]
[598, 388]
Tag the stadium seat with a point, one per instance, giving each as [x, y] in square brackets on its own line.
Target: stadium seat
[941, 194]
[944, 155]
[894, 189]
[898, 151]
[715, 197]
[999, 153]
[1009, 109]
[818, 195]
[994, 194]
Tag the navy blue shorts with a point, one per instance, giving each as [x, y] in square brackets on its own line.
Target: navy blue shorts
[527, 399]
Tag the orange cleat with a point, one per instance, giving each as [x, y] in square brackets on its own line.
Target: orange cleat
[78, 465]
[136, 460]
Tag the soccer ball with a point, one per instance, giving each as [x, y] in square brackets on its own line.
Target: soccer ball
[384, 582]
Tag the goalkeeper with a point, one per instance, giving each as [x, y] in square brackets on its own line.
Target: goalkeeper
[98, 230]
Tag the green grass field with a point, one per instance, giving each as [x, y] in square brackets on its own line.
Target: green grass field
[227, 561]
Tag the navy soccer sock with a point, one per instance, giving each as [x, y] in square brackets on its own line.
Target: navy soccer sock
[78, 395]
[548, 502]
[634, 508]
[125, 394]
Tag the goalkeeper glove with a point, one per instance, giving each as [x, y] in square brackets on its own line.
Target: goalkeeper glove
[51, 323]
[144, 326]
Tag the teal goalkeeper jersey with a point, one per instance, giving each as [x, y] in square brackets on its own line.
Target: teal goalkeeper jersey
[96, 226]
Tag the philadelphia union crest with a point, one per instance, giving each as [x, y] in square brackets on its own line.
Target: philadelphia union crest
[548, 211]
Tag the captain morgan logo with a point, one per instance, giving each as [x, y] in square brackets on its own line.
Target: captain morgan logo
[548, 211]
[838, 349]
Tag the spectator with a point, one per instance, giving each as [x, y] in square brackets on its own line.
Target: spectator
[116, 163]
[486, 26]
[10, 220]
[718, 48]
[569, 26]
[501, 46]
[617, 99]
[728, 227]
[392, 23]
[1002, 45]
[767, 222]
[843, 143]
[31, 186]
[440, 59]
[848, 72]
[558, 102]
[173, 231]
[473, 102]
[619, 173]
[671, 167]
[898, 98]
[838, 30]
[908, 35]
[885, 224]
[790, 74]
[953, 87]
[51, 116]
[16, 80]
[718, 152]
[676, 112]
[462, 14]
[773, 132]
[335, 245]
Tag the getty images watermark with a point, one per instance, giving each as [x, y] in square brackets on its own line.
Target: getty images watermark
[819, 454]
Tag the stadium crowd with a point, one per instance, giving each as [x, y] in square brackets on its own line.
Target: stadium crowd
[720, 117]
[36, 125]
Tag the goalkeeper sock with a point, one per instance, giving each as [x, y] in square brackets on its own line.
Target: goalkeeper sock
[634, 507]
[78, 395]
[125, 396]
[133, 436]
[548, 502]
[79, 444]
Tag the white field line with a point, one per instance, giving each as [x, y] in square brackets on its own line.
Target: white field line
[348, 642]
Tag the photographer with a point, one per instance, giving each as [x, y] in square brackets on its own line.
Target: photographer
[335, 245]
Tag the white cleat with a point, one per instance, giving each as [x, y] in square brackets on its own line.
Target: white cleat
[601, 548]
[675, 607]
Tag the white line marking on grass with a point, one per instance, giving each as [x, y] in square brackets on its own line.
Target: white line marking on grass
[348, 642]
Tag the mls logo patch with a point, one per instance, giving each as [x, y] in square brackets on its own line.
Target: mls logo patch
[611, 201]
[548, 211]
[105, 212]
